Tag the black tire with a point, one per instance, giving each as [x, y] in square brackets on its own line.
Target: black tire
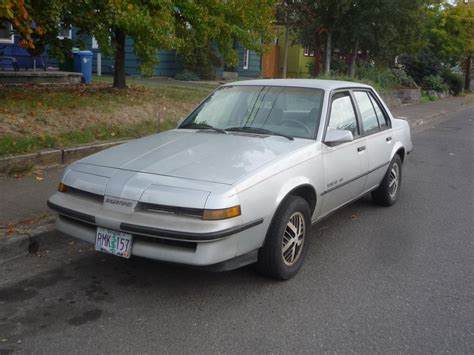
[271, 260]
[384, 195]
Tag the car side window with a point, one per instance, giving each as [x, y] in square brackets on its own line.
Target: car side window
[378, 110]
[343, 116]
[367, 111]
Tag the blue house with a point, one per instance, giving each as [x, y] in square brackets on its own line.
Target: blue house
[10, 48]
[169, 65]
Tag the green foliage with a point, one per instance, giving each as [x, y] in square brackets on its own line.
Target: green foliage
[379, 78]
[450, 31]
[403, 78]
[421, 65]
[188, 26]
[338, 65]
[427, 98]
[435, 83]
[336, 76]
[187, 75]
[382, 76]
[454, 81]
[378, 29]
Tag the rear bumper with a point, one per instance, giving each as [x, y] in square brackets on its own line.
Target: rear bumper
[226, 248]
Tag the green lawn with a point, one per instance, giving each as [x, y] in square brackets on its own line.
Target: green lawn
[37, 117]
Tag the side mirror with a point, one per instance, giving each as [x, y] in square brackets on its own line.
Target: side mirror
[181, 120]
[336, 136]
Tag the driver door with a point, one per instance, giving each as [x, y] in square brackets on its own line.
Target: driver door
[345, 164]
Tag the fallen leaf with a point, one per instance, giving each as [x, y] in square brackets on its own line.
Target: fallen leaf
[39, 178]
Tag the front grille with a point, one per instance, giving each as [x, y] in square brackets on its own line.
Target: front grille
[175, 243]
[151, 207]
[86, 194]
[77, 222]
[84, 217]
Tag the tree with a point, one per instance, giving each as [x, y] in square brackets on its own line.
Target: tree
[450, 32]
[16, 12]
[380, 29]
[207, 30]
[187, 26]
[313, 19]
[148, 22]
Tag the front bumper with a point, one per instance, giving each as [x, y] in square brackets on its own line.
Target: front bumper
[199, 243]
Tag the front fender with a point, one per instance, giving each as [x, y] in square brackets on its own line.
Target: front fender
[289, 186]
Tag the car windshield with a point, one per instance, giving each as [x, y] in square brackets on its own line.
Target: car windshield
[286, 111]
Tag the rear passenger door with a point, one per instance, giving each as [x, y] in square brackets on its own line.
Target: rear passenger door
[376, 129]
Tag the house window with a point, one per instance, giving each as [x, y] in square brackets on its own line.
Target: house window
[65, 33]
[307, 52]
[246, 58]
[6, 32]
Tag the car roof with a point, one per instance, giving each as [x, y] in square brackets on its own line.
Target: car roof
[326, 85]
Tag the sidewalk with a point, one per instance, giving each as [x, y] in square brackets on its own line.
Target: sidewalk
[23, 200]
[422, 116]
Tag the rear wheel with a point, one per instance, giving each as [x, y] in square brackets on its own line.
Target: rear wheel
[287, 240]
[387, 193]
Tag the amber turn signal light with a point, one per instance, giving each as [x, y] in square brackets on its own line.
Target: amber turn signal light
[221, 214]
[62, 187]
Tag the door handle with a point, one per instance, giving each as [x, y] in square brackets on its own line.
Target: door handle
[388, 139]
[360, 149]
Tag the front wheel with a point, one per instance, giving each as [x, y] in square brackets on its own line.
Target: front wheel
[287, 240]
[389, 189]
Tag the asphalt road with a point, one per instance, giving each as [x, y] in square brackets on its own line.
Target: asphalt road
[376, 280]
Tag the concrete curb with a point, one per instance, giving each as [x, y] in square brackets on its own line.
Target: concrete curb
[53, 157]
[45, 158]
[22, 244]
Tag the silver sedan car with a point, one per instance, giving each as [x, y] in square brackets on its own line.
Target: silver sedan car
[242, 179]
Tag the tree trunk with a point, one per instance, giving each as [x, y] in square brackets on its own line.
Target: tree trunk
[354, 58]
[317, 63]
[119, 64]
[327, 64]
[317, 56]
[285, 58]
[467, 78]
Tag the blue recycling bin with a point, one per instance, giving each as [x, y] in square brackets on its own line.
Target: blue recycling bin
[85, 59]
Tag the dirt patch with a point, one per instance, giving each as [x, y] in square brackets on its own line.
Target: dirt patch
[38, 111]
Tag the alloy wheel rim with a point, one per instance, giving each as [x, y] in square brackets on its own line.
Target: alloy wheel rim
[293, 239]
[393, 180]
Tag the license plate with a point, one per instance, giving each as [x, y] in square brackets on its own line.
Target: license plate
[113, 242]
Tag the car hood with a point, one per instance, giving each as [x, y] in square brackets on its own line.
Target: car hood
[197, 154]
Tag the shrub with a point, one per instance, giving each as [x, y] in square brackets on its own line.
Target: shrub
[427, 98]
[334, 76]
[455, 82]
[383, 77]
[186, 75]
[435, 83]
[403, 78]
[421, 65]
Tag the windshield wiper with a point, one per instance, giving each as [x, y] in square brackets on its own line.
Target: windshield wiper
[203, 126]
[257, 130]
